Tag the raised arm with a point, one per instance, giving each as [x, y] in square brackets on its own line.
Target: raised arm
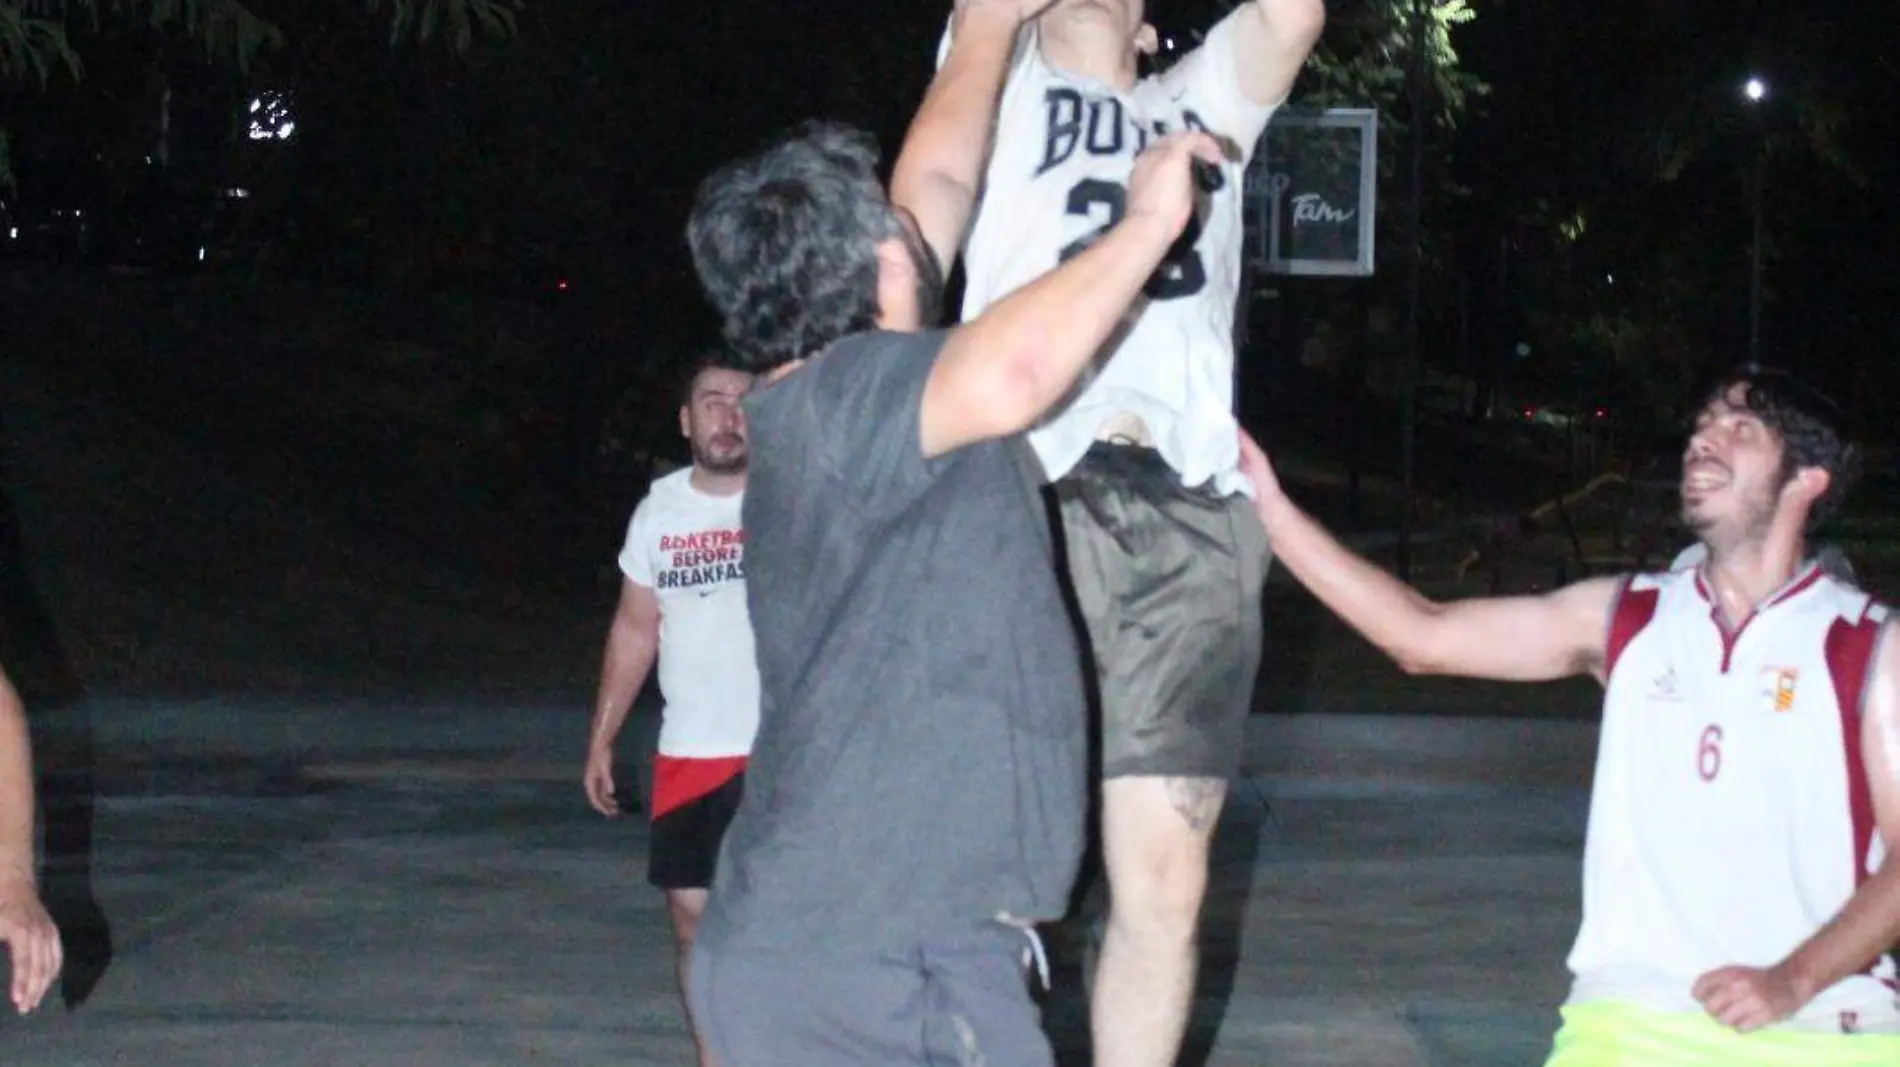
[1272, 39]
[1000, 373]
[1748, 998]
[939, 170]
[1533, 638]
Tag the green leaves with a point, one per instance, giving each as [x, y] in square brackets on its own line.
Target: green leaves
[33, 32]
[34, 42]
[224, 29]
[31, 47]
[426, 18]
[1364, 58]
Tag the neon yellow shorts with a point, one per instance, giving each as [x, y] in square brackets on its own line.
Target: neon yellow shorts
[1615, 1034]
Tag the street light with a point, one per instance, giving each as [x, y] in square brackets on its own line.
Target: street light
[1755, 91]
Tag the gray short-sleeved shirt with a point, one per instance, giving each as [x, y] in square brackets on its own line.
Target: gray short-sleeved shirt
[921, 758]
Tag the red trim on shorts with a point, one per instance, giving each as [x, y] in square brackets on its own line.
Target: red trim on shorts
[680, 780]
[1634, 609]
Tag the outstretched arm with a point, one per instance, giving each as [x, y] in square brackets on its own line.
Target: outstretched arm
[1505, 638]
[25, 928]
[1272, 39]
[1748, 998]
[940, 168]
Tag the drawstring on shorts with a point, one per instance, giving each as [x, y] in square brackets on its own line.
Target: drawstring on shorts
[1035, 955]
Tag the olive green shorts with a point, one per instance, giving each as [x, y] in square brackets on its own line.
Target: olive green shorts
[1168, 581]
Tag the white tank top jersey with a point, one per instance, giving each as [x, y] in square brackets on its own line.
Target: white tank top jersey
[1064, 149]
[1731, 817]
[688, 547]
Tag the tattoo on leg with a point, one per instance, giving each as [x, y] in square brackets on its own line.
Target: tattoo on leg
[1197, 800]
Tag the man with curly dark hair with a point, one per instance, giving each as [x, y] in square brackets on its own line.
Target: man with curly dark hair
[1741, 892]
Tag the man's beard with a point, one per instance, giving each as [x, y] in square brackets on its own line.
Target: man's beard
[1758, 515]
[1695, 524]
[731, 462]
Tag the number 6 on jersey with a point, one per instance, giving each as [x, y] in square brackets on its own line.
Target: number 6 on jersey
[1708, 753]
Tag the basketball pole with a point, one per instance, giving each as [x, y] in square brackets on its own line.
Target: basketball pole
[1408, 371]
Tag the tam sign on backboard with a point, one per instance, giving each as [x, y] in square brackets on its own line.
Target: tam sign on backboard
[1312, 193]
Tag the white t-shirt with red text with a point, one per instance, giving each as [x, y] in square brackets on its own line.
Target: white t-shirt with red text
[688, 547]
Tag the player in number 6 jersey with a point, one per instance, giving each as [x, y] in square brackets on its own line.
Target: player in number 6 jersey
[1165, 560]
[1741, 902]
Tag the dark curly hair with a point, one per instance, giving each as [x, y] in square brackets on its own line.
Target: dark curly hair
[785, 243]
[1810, 426]
[686, 376]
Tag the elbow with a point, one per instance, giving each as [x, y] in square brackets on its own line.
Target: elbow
[1007, 391]
[957, 186]
[1418, 652]
[918, 182]
[1417, 662]
[1023, 387]
[1299, 21]
[1307, 16]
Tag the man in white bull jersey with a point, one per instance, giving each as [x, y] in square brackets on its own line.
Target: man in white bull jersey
[1741, 899]
[1165, 560]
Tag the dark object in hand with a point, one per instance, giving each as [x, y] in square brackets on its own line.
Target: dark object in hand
[1207, 176]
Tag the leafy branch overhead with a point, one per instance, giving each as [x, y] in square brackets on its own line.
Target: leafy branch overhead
[33, 32]
[34, 39]
[35, 43]
[32, 46]
[497, 19]
[1366, 55]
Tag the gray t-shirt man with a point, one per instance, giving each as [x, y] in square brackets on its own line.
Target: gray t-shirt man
[919, 771]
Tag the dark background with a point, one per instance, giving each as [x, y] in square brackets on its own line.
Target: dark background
[378, 423]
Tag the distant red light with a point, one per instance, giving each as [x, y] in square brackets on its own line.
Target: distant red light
[561, 285]
[1602, 413]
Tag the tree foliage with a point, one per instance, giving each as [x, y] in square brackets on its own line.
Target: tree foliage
[496, 18]
[32, 46]
[36, 36]
[1635, 246]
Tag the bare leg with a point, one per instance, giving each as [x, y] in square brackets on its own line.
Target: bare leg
[1155, 834]
[685, 907]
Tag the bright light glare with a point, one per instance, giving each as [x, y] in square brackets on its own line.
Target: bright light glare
[271, 118]
[1755, 90]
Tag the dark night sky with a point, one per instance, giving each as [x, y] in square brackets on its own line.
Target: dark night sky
[1560, 70]
[597, 124]
[574, 152]
[1579, 95]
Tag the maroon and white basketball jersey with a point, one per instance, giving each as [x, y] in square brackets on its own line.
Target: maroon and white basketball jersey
[1731, 817]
